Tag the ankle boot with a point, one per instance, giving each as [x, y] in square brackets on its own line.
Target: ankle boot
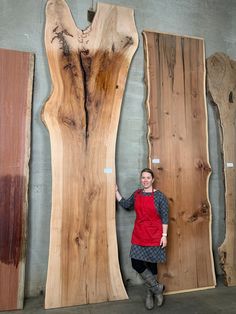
[155, 287]
[159, 299]
[149, 303]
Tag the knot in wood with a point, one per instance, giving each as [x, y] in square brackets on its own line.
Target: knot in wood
[204, 208]
[193, 218]
[68, 121]
[129, 41]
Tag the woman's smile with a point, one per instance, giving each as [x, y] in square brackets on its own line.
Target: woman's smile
[146, 181]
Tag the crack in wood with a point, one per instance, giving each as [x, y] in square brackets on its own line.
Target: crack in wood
[85, 64]
[169, 47]
[61, 39]
[231, 98]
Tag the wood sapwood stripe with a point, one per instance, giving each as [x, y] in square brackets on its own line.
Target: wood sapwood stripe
[16, 76]
[221, 82]
[177, 136]
[89, 70]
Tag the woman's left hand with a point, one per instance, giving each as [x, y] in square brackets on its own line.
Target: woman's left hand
[163, 241]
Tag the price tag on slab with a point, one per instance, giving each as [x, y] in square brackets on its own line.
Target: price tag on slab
[156, 161]
[229, 164]
[107, 170]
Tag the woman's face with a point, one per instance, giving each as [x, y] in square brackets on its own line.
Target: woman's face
[146, 180]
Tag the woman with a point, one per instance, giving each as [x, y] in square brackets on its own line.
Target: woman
[149, 237]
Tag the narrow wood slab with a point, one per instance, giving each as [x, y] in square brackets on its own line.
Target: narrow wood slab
[16, 77]
[178, 154]
[89, 70]
[221, 81]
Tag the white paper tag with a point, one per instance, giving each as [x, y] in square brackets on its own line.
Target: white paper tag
[107, 170]
[156, 161]
[229, 164]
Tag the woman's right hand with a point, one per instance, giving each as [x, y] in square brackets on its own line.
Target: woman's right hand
[118, 195]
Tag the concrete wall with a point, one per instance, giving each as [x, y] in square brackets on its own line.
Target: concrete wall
[22, 27]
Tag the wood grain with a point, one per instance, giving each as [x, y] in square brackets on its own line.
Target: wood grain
[177, 136]
[221, 82]
[88, 70]
[16, 76]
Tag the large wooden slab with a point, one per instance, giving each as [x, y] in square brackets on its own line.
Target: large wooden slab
[178, 154]
[89, 70]
[16, 76]
[221, 74]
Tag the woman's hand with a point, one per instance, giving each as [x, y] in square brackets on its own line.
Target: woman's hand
[163, 242]
[118, 195]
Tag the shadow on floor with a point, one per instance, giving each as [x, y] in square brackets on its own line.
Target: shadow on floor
[221, 299]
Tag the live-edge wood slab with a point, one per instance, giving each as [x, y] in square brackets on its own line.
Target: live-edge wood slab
[221, 83]
[16, 80]
[178, 155]
[88, 70]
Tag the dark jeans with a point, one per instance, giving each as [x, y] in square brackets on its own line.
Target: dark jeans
[140, 266]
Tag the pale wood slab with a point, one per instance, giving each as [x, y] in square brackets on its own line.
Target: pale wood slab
[178, 155]
[88, 70]
[16, 77]
[221, 81]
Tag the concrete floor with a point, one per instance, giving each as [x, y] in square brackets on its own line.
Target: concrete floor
[219, 300]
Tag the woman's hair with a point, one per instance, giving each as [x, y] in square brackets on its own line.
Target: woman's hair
[147, 170]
